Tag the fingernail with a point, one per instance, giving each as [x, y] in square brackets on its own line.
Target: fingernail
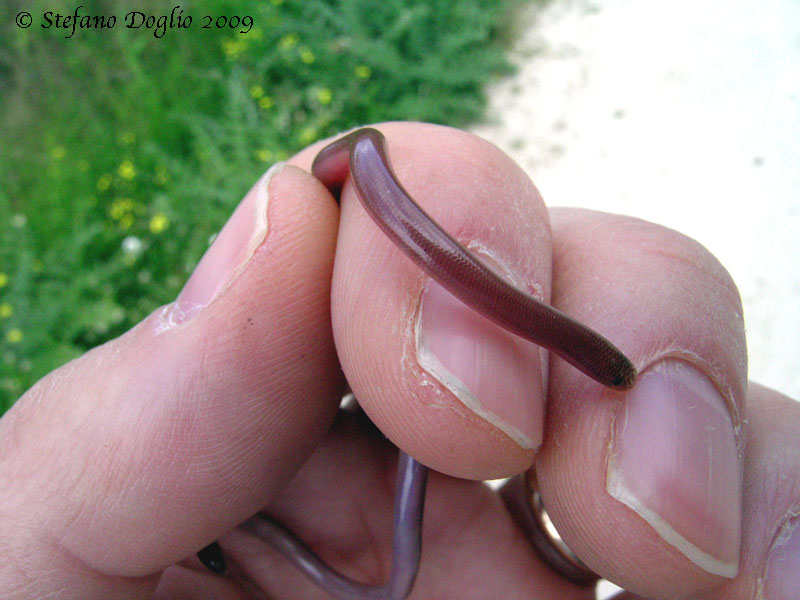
[782, 575]
[227, 257]
[493, 373]
[673, 459]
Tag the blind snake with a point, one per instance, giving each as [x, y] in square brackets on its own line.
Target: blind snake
[362, 155]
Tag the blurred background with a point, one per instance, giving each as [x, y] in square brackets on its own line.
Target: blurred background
[123, 151]
[685, 114]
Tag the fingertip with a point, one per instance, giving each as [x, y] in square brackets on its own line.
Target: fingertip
[445, 385]
[771, 537]
[661, 461]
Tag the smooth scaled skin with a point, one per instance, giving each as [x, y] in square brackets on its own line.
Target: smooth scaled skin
[362, 154]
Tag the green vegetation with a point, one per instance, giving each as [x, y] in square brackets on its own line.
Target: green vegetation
[122, 153]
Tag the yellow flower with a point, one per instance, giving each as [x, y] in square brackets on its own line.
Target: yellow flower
[232, 47]
[256, 91]
[3, 280]
[120, 208]
[308, 135]
[307, 56]
[264, 154]
[288, 41]
[362, 71]
[6, 310]
[104, 182]
[14, 336]
[58, 153]
[324, 96]
[266, 102]
[158, 223]
[126, 170]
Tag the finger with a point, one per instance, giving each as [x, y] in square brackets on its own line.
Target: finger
[180, 583]
[341, 504]
[443, 383]
[147, 448]
[645, 486]
[771, 537]
[770, 564]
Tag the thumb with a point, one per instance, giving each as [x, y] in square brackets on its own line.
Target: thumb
[145, 449]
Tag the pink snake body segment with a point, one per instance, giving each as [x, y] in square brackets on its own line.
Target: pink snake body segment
[362, 155]
[457, 269]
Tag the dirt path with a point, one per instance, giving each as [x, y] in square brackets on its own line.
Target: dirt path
[683, 113]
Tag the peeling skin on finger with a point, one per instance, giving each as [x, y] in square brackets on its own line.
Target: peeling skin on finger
[227, 257]
[430, 362]
[464, 353]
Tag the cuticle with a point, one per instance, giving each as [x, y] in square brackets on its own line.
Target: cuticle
[165, 320]
[426, 377]
[504, 266]
[724, 389]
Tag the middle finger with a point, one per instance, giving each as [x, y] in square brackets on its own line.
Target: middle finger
[646, 486]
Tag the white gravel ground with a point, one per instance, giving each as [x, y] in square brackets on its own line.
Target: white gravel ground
[683, 113]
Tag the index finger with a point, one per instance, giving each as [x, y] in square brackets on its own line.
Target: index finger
[445, 384]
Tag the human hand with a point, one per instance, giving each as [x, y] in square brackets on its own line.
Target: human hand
[118, 466]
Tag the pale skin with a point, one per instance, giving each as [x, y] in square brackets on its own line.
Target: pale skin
[122, 464]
